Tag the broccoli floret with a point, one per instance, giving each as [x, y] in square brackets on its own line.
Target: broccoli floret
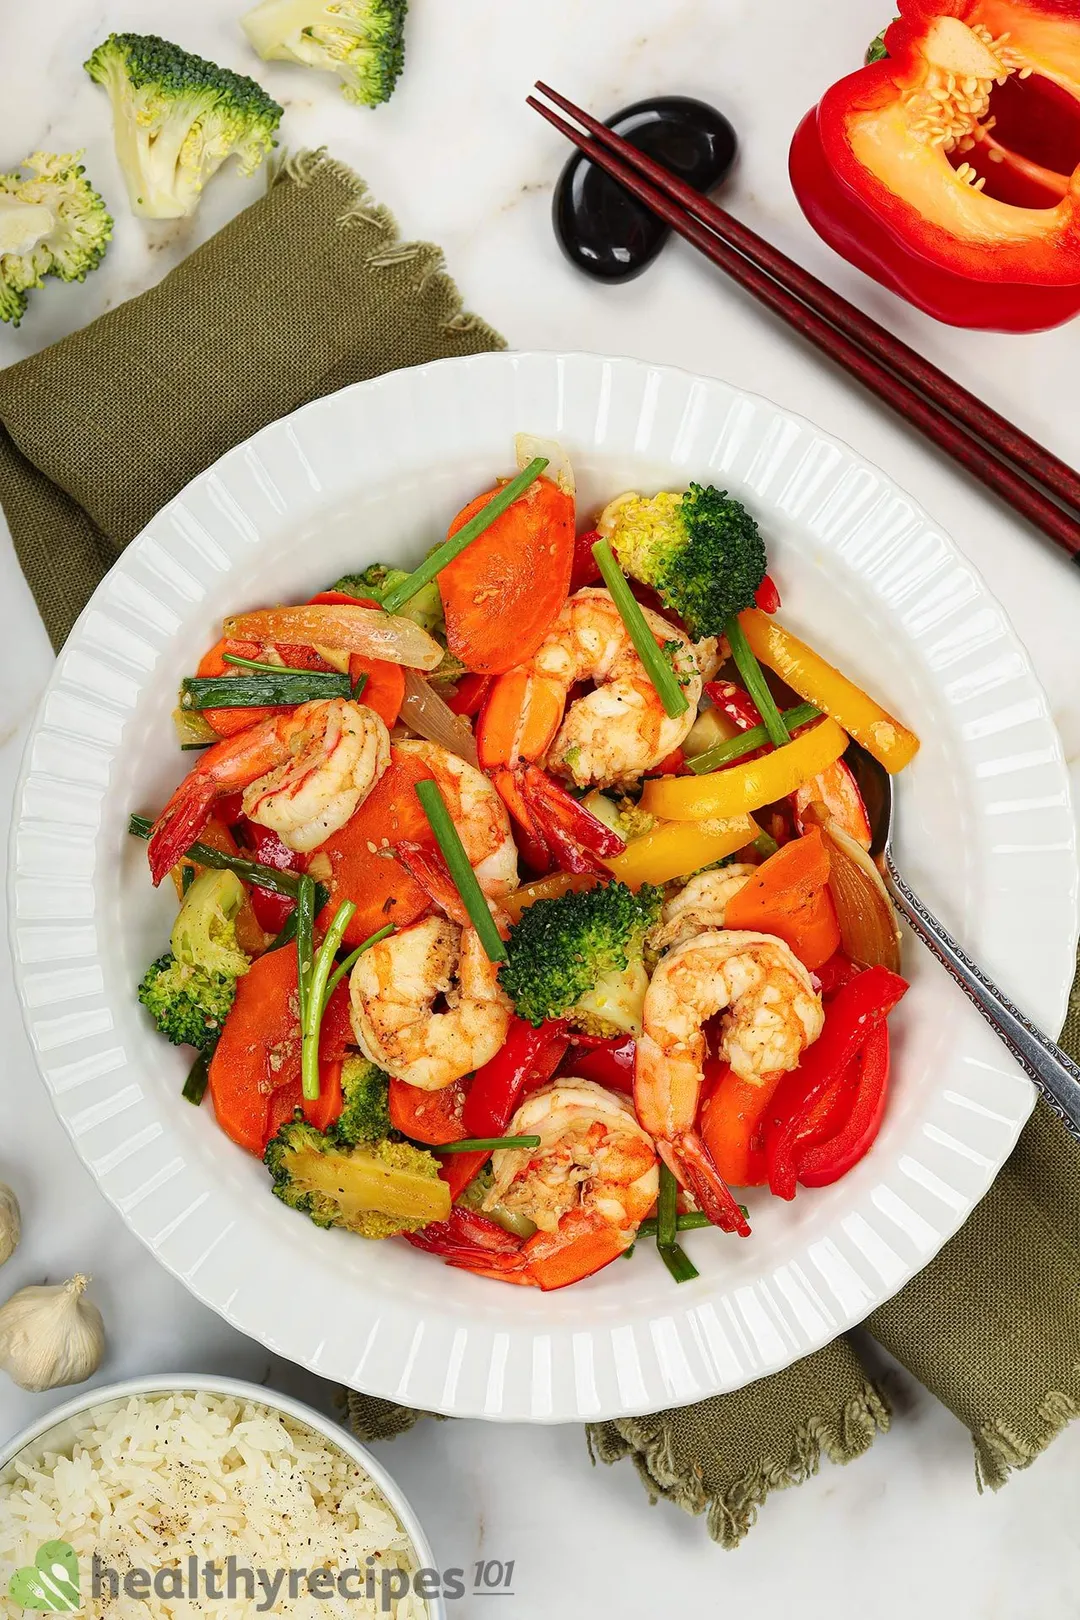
[362, 41]
[204, 933]
[176, 118]
[365, 1116]
[374, 1190]
[188, 1004]
[52, 223]
[701, 552]
[580, 957]
[425, 608]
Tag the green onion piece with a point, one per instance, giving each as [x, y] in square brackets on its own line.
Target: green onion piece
[488, 1144]
[678, 1262]
[755, 682]
[745, 743]
[266, 877]
[690, 1222]
[464, 878]
[358, 689]
[305, 946]
[189, 748]
[267, 669]
[666, 1209]
[198, 1079]
[287, 687]
[313, 1001]
[406, 589]
[187, 878]
[656, 665]
[353, 957]
[766, 845]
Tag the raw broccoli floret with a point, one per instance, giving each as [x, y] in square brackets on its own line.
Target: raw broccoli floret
[176, 118]
[701, 552]
[376, 1189]
[365, 1116]
[189, 1004]
[580, 957]
[204, 933]
[362, 41]
[425, 608]
[52, 223]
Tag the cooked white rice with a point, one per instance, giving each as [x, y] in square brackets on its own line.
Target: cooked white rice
[149, 1482]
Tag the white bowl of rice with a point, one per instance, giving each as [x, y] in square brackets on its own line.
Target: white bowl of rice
[151, 1481]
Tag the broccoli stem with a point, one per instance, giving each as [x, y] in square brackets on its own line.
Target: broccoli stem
[464, 878]
[406, 589]
[755, 683]
[353, 957]
[746, 742]
[314, 999]
[656, 665]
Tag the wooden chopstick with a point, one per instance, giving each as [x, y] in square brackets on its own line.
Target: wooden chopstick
[987, 444]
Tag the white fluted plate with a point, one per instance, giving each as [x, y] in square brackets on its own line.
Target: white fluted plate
[986, 834]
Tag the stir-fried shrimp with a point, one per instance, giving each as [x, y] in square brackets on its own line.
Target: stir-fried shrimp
[587, 1187]
[303, 774]
[771, 1014]
[396, 988]
[700, 905]
[478, 814]
[611, 735]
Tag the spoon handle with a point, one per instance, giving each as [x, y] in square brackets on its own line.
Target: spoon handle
[1052, 1070]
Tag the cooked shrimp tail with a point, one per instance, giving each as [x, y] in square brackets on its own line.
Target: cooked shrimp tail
[710, 1189]
[302, 773]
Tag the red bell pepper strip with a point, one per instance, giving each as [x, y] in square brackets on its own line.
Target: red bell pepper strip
[575, 836]
[834, 974]
[850, 1019]
[469, 698]
[874, 166]
[767, 597]
[271, 910]
[585, 569]
[528, 1057]
[821, 1163]
[607, 1060]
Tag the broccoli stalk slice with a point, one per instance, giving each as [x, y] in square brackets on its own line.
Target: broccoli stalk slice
[373, 1189]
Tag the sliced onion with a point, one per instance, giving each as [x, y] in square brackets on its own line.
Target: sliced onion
[343, 627]
[527, 447]
[869, 931]
[425, 713]
[191, 729]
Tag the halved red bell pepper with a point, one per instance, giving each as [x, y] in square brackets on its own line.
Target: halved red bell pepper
[948, 169]
[802, 1109]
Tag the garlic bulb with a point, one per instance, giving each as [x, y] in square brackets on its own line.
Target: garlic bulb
[10, 1223]
[51, 1335]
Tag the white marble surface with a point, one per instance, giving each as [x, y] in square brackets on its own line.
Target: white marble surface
[461, 160]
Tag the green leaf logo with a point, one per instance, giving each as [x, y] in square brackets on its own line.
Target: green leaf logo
[52, 1582]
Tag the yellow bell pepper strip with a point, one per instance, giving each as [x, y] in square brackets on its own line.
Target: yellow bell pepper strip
[723, 795]
[551, 887]
[674, 849]
[816, 680]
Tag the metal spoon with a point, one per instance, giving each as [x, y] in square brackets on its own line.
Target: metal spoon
[1052, 1070]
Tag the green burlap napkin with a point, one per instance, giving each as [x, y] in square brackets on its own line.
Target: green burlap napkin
[306, 291]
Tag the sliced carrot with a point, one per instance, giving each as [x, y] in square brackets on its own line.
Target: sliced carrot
[384, 689]
[259, 1049]
[732, 1118]
[789, 896]
[255, 1071]
[357, 863]
[428, 1116]
[504, 591]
